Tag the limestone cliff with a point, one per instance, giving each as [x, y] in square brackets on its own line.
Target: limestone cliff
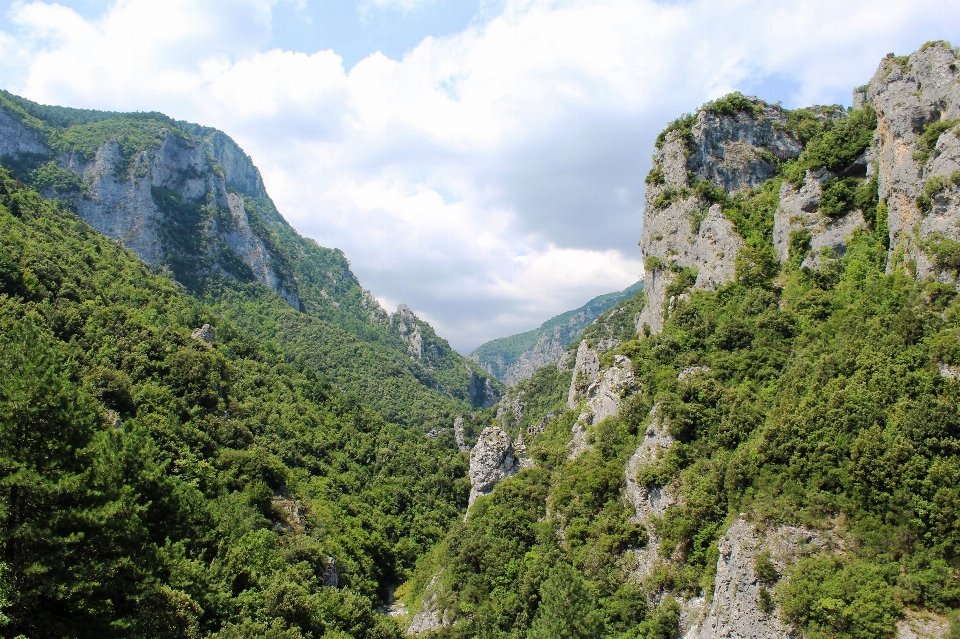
[682, 229]
[917, 152]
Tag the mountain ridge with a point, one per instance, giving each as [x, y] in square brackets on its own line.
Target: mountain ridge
[515, 357]
[192, 205]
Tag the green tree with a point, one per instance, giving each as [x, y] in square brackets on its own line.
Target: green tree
[567, 610]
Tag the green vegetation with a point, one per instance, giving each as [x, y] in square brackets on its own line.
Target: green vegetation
[669, 195]
[805, 124]
[339, 328]
[655, 176]
[823, 406]
[236, 472]
[684, 128]
[734, 104]
[934, 187]
[928, 139]
[835, 148]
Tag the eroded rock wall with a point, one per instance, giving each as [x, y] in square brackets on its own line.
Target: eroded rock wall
[909, 95]
[683, 230]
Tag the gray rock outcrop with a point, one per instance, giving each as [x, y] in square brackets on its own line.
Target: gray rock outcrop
[429, 617]
[799, 212]
[120, 196]
[680, 228]
[16, 139]
[923, 625]
[492, 459]
[586, 370]
[909, 94]
[408, 325]
[204, 334]
[458, 434]
[649, 501]
[737, 610]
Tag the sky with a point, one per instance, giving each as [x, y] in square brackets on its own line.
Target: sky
[481, 161]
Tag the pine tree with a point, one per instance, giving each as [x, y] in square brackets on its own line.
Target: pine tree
[567, 610]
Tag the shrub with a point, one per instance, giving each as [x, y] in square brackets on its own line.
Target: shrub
[733, 104]
[927, 141]
[684, 127]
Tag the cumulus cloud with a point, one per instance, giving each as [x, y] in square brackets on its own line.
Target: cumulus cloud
[490, 178]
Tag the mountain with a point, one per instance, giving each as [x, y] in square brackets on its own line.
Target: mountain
[166, 473]
[192, 205]
[770, 447]
[516, 357]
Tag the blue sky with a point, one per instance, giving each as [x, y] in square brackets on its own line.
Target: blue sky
[481, 161]
[353, 29]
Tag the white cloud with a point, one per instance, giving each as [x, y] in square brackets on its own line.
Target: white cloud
[491, 178]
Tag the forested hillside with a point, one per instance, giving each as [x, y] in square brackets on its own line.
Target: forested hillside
[157, 485]
[772, 449]
[192, 205]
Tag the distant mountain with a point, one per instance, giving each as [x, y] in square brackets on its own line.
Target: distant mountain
[511, 359]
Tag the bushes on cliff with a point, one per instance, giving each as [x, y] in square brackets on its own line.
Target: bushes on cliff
[836, 147]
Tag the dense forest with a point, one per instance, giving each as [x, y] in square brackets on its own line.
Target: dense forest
[155, 485]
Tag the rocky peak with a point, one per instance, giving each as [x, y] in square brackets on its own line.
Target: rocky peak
[917, 152]
[729, 145]
[180, 201]
[408, 326]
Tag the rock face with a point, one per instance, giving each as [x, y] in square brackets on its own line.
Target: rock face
[909, 95]
[586, 369]
[204, 334]
[491, 460]
[738, 610]
[649, 501]
[408, 325]
[132, 200]
[429, 618]
[680, 228]
[17, 140]
[799, 213]
[922, 625]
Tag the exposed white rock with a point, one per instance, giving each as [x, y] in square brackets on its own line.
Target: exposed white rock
[948, 371]
[204, 334]
[922, 625]
[693, 370]
[458, 434]
[586, 369]
[16, 138]
[649, 501]
[605, 394]
[734, 153]
[408, 326]
[799, 210]
[429, 618]
[908, 94]
[736, 611]
[492, 459]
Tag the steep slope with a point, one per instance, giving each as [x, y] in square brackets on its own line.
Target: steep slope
[771, 449]
[191, 204]
[164, 473]
[516, 357]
